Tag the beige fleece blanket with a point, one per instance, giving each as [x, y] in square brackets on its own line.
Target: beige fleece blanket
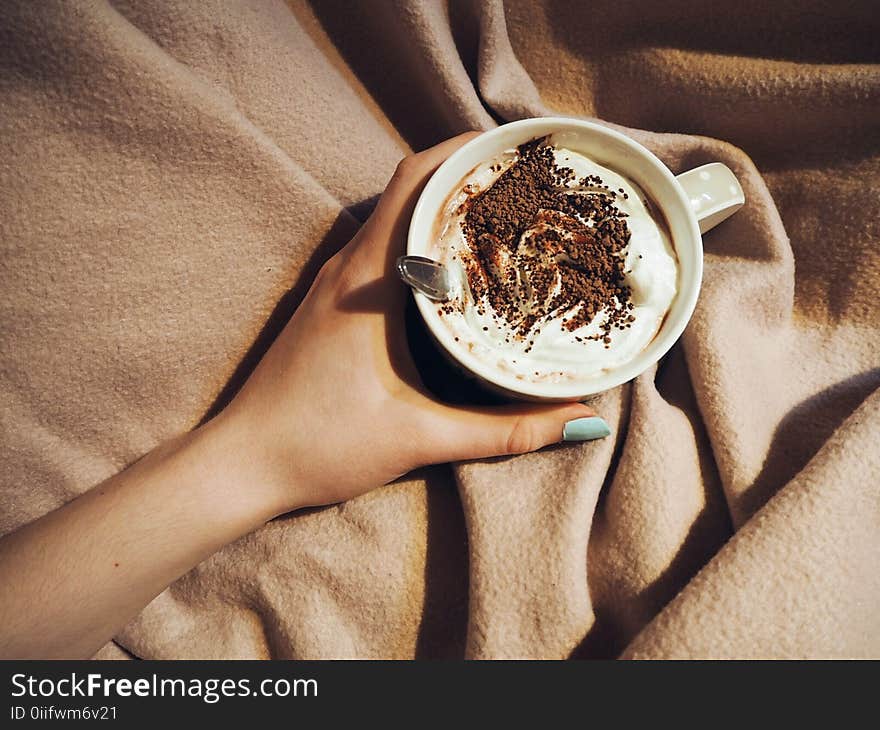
[173, 173]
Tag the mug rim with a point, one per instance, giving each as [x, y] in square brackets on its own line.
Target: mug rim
[664, 339]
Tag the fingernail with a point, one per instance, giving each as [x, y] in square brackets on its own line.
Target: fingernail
[585, 429]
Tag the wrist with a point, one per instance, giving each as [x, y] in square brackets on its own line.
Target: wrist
[243, 473]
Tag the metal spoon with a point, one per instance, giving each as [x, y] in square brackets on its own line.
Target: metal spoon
[425, 275]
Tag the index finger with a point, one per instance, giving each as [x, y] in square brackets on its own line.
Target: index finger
[384, 234]
[410, 177]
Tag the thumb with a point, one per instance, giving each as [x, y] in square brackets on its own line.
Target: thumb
[473, 433]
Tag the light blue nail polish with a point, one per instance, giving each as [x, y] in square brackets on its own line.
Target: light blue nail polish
[585, 429]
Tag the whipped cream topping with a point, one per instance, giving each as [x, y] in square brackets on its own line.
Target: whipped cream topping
[551, 351]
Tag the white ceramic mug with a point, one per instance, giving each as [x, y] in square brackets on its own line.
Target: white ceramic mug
[692, 203]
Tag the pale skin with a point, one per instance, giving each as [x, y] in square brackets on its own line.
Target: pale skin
[334, 409]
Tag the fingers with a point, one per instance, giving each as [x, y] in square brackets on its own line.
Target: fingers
[384, 235]
[410, 177]
[456, 434]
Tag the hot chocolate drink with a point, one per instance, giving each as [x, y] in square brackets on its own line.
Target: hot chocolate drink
[561, 268]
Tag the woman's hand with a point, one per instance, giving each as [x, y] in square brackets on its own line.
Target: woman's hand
[336, 406]
[334, 409]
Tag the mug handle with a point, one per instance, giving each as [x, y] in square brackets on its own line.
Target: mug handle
[714, 192]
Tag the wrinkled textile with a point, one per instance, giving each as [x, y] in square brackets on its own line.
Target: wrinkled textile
[173, 174]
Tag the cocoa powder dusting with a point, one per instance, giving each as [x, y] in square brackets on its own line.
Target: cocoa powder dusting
[543, 250]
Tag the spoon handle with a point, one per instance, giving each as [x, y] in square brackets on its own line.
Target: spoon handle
[425, 275]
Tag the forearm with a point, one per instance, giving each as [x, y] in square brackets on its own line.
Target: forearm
[72, 579]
